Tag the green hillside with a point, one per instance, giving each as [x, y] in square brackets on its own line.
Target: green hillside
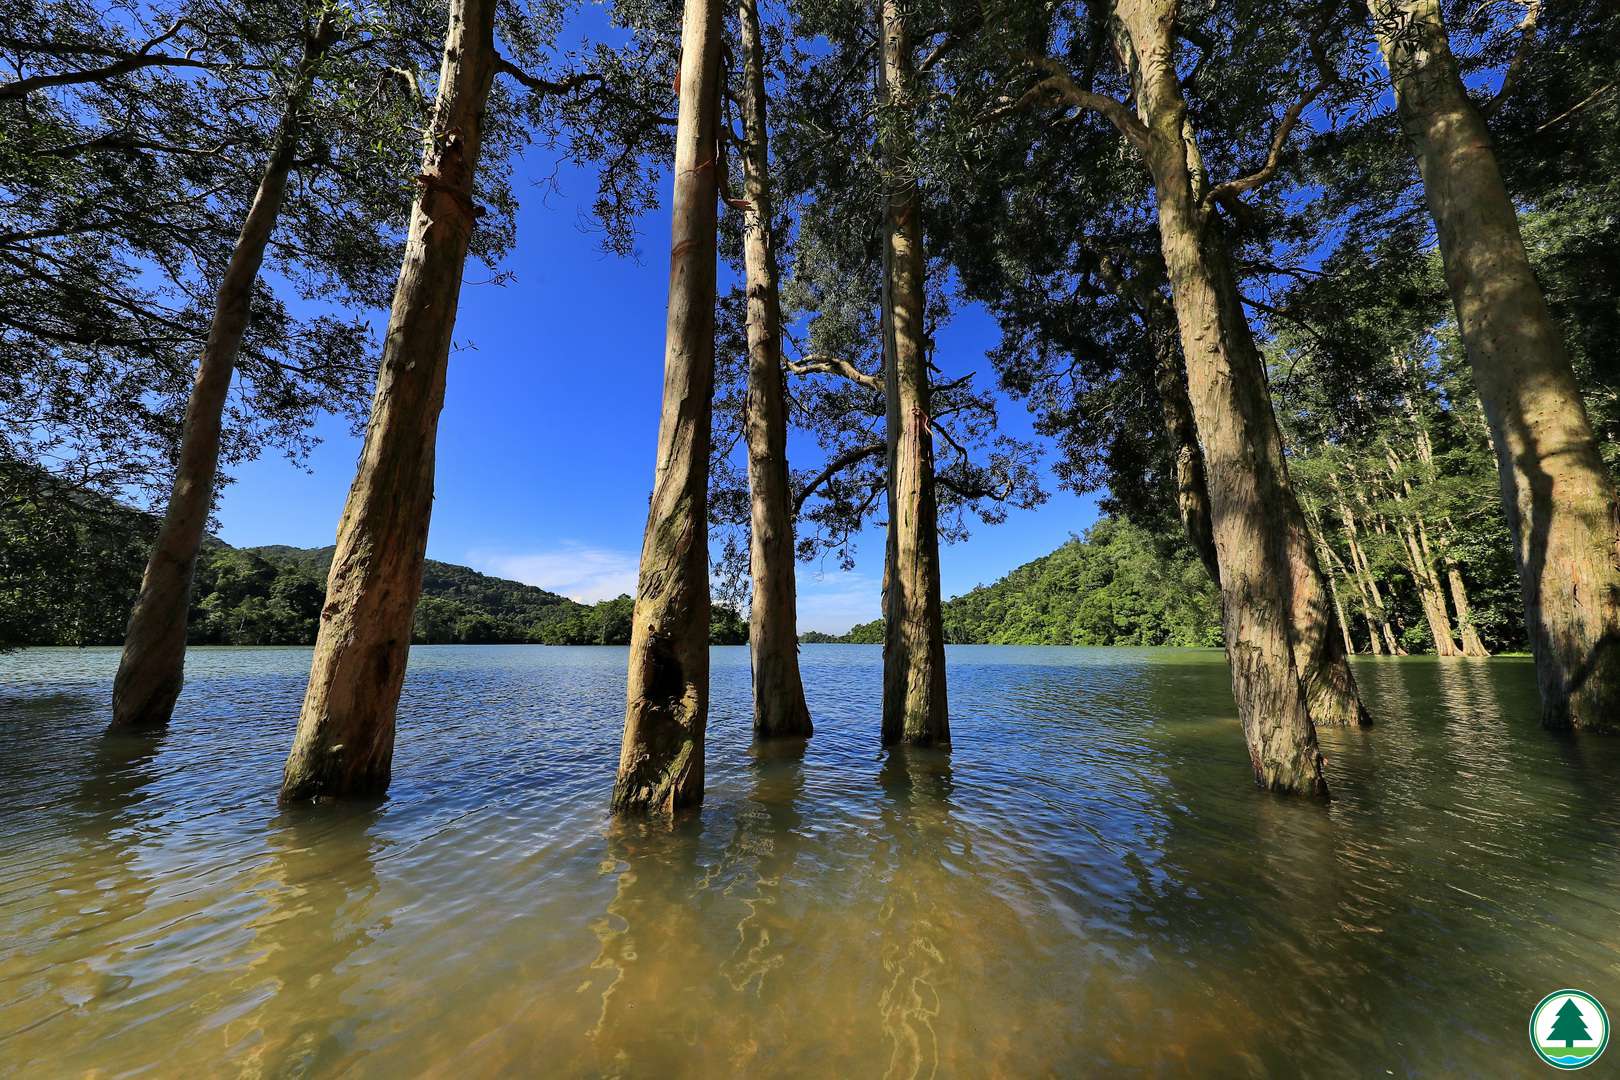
[70, 570]
[1118, 585]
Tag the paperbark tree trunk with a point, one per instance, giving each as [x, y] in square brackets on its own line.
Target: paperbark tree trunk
[152, 667]
[1321, 663]
[1429, 594]
[914, 704]
[345, 740]
[667, 694]
[1472, 645]
[1358, 558]
[1248, 484]
[1560, 503]
[773, 640]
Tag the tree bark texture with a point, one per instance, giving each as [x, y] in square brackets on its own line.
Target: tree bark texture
[1559, 501]
[914, 704]
[1472, 645]
[1248, 484]
[773, 638]
[152, 667]
[345, 740]
[667, 694]
[1322, 663]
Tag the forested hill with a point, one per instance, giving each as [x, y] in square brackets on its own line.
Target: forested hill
[1117, 585]
[273, 595]
[70, 570]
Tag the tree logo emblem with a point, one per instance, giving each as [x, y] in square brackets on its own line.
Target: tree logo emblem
[1569, 1029]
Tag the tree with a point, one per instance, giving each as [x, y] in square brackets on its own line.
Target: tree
[1559, 499]
[667, 692]
[1569, 1025]
[345, 739]
[779, 706]
[914, 705]
[152, 665]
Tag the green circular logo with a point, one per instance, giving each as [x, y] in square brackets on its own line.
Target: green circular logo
[1569, 1029]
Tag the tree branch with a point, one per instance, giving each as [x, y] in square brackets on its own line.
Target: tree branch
[1231, 189]
[822, 364]
[834, 467]
[1060, 84]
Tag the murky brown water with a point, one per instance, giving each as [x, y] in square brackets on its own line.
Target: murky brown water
[1088, 884]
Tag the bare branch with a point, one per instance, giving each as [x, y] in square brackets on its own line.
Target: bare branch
[834, 467]
[1231, 189]
[821, 364]
[1060, 84]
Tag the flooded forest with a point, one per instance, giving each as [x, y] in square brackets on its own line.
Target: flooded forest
[1298, 758]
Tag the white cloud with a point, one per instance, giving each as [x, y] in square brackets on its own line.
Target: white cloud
[834, 602]
[830, 601]
[577, 571]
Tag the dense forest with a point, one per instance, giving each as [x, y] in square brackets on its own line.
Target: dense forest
[70, 580]
[1119, 584]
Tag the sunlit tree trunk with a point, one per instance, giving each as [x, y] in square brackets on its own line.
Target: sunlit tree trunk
[1560, 503]
[1358, 558]
[1472, 645]
[779, 707]
[667, 694]
[345, 740]
[153, 662]
[1243, 459]
[1321, 662]
[914, 707]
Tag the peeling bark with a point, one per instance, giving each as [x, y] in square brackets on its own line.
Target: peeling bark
[345, 740]
[1322, 641]
[152, 667]
[667, 693]
[773, 640]
[1250, 498]
[1559, 501]
[914, 704]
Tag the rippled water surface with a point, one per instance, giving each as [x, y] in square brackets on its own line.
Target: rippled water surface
[1089, 882]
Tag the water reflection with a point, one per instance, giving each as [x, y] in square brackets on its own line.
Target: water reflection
[1087, 883]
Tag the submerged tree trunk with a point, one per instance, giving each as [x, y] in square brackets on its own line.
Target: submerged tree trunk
[914, 707]
[773, 639]
[345, 740]
[1560, 503]
[153, 662]
[1319, 658]
[1471, 643]
[1248, 484]
[667, 694]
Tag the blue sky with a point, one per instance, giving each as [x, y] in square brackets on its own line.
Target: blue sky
[546, 442]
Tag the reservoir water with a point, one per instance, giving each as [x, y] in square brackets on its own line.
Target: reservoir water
[1087, 884]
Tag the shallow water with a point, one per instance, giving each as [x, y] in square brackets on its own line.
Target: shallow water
[1089, 883]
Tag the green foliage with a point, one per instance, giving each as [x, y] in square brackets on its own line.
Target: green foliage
[70, 569]
[1118, 585]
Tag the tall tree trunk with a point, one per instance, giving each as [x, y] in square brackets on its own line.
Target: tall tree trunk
[1248, 483]
[914, 705]
[1429, 594]
[1559, 501]
[1471, 643]
[345, 740]
[667, 694]
[152, 667]
[773, 638]
[1358, 559]
[1321, 663]
[1180, 429]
